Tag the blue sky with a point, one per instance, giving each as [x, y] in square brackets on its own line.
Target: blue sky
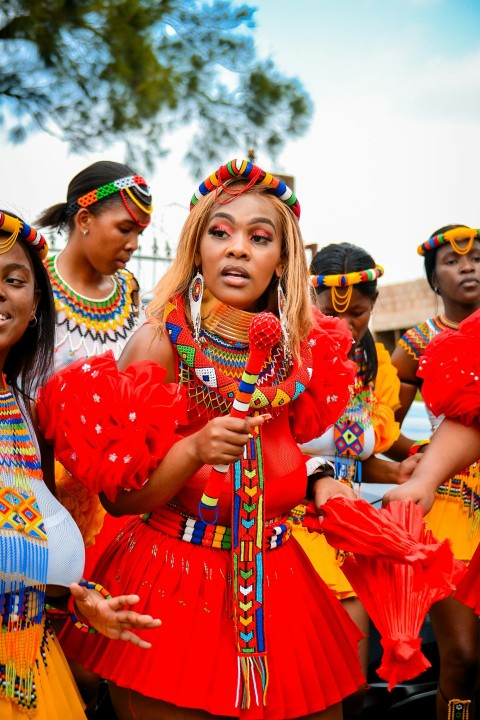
[394, 148]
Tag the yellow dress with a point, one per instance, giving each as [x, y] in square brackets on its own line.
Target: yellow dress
[373, 405]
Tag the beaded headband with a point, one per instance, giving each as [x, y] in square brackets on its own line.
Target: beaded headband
[340, 299]
[254, 175]
[19, 229]
[122, 185]
[452, 236]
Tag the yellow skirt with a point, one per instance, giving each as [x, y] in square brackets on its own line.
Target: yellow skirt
[450, 519]
[326, 560]
[57, 695]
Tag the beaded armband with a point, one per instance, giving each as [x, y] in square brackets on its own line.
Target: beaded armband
[80, 624]
[417, 447]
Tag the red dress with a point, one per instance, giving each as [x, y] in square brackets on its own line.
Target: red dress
[310, 641]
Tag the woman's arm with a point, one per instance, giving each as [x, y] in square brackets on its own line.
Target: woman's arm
[147, 344]
[453, 447]
[407, 367]
[219, 442]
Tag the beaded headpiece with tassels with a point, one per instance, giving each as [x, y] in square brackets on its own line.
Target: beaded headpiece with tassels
[453, 236]
[254, 175]
[342, 284]
[19, 229]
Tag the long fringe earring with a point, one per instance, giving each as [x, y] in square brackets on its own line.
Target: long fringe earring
[283, 319]
[195, 295]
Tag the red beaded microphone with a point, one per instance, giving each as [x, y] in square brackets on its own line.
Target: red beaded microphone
[264, 332]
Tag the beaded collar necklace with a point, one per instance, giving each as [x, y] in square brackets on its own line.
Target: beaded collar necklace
[211, 389]
[446, 323]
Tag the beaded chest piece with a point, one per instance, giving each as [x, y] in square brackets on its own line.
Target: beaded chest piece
[88, 326]
[23, 556]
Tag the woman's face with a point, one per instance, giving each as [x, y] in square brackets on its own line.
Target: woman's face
[112, 237]
[357, 314]
[240, 250]
[18, 297]
[458, 276]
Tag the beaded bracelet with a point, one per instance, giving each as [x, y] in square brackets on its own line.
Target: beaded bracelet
[83, 626]
[417, 446]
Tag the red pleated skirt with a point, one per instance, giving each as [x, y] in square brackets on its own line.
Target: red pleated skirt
[311, 642]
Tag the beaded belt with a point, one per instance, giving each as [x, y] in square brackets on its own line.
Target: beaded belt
[187, 528]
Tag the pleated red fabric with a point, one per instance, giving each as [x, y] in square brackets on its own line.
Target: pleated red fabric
[193, 662]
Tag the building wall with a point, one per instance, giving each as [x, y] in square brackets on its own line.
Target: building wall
[400, 306]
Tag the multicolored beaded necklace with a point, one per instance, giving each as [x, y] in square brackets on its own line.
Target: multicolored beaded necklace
[90, 324]
[415, 340]
[23, 556]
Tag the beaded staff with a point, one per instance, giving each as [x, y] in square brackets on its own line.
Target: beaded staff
[264, 332]
[122, 186]
[19, 229]
[342, 284]
[452, 236]
[254, 175]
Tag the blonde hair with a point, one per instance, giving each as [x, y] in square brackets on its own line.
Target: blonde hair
[294, 280]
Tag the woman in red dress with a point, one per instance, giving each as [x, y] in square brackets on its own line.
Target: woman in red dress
[248, 628]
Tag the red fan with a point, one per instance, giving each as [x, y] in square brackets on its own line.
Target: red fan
[397, 595]
[358, 527]
[468, 589]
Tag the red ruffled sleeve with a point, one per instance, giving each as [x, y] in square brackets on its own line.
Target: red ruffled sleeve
[450, 369]
[110, 428]
[327, 394]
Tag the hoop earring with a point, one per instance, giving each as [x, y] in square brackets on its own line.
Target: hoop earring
[283, 318]
[33, 322]
[195, 295]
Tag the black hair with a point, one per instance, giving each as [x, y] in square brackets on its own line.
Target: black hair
[430, 257]
[88, 179]
[342, 258]
[29, 362]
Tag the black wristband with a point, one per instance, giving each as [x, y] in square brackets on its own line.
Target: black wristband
[312, 479]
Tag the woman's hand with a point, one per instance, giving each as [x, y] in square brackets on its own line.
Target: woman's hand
[110, 617]
[406, 468]
[221, 441]
[411, 491]
[327, 487]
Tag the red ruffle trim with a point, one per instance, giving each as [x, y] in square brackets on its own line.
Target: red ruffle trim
[327, 394]
[110, 428]
[450, 370]
[468, 589]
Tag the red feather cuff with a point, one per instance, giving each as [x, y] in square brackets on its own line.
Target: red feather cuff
[110, 428]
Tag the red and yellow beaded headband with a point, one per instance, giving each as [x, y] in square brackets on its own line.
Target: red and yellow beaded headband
[121, 185]
[19, 229]
[254, 175]
[342, 284]
[453, 236]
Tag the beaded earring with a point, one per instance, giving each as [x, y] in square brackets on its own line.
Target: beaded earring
[195, 295]
[283, 318]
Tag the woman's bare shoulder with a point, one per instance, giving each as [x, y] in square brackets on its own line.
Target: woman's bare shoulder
[147, 343]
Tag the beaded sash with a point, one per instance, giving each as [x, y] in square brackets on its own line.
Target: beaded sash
[211, 392]
[349, 430]
[23, 557]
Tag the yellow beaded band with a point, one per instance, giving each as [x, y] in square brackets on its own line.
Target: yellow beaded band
[453, 236]
[342, 284]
